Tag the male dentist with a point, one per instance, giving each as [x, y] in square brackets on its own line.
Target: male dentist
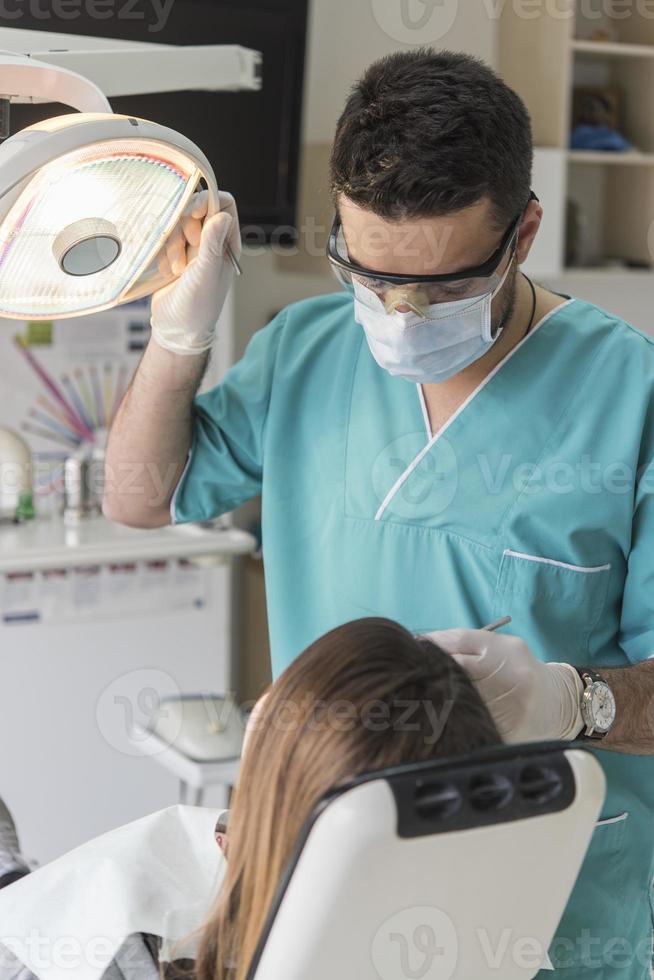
[441, 442]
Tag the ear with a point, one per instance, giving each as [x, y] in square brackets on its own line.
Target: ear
[529, 227]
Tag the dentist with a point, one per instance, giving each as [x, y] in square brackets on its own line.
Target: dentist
[442, 442]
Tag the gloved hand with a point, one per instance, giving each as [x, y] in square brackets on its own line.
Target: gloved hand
[184, 313]
[530, 701]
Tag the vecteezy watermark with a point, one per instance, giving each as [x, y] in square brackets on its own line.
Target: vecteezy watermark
[591, 951]
[427, 21]
[153, 13]
[128, 706]
[405, 481]
[416, 944]
[415, 21]
[424, 243]
[66, 952]
[586, 10]
[142, 479]
[562, 477]
[413, 478]
[314, 714]
[424, 943]
[412, 475]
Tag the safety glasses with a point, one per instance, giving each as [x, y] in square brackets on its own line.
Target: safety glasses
[420, 292]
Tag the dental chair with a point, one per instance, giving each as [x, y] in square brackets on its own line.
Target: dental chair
[446, 870]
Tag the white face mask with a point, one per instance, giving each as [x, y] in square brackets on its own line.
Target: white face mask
[429, 349]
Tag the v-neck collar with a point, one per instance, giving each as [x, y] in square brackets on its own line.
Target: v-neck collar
[433, 438]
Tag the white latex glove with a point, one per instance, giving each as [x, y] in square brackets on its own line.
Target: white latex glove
[184, 313]
[530, 701]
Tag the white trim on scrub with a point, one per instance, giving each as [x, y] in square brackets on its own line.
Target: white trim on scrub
[559, 564]
[608, 820]
[173, 501]
[425, 413]
[432, 441]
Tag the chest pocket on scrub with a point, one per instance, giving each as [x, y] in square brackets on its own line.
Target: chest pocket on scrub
[551, 603]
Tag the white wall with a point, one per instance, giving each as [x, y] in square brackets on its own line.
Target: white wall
[344, 37]
[347, 35]
[627, 294]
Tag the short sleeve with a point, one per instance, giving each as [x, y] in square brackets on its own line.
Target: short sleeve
[637, 619]
[225, 464]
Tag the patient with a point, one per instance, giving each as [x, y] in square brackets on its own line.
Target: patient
[365, 696]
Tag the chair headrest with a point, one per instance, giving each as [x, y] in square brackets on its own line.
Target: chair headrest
[443, 835]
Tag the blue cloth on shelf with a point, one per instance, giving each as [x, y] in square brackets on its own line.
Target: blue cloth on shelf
[585, 137]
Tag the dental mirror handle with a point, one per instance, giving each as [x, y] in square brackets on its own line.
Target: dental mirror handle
[497, 625]
[213, 207]
[229, 251]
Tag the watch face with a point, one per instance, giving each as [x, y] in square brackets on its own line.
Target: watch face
[601, 706]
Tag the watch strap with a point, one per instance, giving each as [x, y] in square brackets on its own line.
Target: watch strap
[592, 675]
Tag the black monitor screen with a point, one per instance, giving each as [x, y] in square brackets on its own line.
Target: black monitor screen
[251, 138]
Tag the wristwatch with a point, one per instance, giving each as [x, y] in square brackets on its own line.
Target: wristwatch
[597, 704]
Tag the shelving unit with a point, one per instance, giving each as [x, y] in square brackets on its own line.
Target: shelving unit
[544, 59]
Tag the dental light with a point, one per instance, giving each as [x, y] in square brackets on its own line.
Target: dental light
[87, 200]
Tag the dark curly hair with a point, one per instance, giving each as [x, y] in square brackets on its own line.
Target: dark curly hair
[427, 133]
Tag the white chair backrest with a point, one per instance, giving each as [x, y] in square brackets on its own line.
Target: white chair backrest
[441, 871]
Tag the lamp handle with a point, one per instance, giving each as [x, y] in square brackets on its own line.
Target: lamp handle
[150, 284]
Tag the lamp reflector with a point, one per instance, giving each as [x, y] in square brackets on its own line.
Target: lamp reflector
[88, 224]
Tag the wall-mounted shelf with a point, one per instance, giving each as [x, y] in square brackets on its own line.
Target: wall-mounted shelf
[616, 275]
[613, 49]
[603, 200]
[615, 159]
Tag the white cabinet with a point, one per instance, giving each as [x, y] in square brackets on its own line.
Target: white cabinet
[75, 677]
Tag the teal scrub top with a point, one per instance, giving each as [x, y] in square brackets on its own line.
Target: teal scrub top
[536, 500]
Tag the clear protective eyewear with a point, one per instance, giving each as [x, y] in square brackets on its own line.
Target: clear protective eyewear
[418, 293]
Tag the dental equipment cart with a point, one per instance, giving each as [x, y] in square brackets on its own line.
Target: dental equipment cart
[98, 624]
[456, 869]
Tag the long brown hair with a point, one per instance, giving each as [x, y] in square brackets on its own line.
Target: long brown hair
[365, 696]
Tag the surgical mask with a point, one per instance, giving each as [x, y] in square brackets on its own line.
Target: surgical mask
[428, 348]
